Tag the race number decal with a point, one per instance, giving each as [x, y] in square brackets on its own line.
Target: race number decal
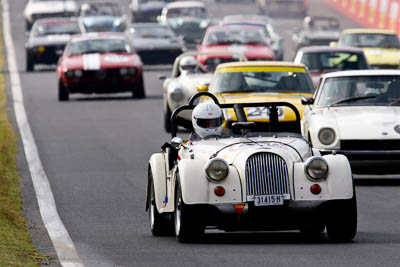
[263, 113]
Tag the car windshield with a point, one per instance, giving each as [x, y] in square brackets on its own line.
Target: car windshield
[327, 61]
[56, 27]
[254, 80]
[324, 24]
[360, 90]
[197, 12]
[370, 40]
[152, 32]
[251, 136]
[243, 35]
[104, 45]
[100, 9]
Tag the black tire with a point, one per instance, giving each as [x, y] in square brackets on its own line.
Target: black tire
[159, 224]
[341, 222]
[30, 63]
[167, 118]
[28, 26]
[63, 94]
[187, 226]
[139, 91]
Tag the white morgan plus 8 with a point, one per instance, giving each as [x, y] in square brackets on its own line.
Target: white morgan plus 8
[241, 180]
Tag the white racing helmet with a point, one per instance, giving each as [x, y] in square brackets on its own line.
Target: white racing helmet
[207, 119]
[188, 65]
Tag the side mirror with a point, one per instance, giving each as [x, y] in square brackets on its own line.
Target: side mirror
[307, 100]
[176, 143]
[203, 87]
[333, 44]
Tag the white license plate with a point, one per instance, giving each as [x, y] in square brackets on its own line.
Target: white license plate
[268, 200]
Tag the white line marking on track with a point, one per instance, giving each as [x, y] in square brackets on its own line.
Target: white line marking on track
[62, 242]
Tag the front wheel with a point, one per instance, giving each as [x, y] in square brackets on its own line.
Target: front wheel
[167, 118]
[159, 225]
[187, 228]
[30, 63]
[63, 94]
[342, 220]
[138, 91]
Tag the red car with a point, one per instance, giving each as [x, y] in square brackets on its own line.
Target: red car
[247, 40]
[100, 63]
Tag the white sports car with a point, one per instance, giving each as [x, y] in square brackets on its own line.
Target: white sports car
[38, 9]
[178, 89]
[357, 113]
[244, 180]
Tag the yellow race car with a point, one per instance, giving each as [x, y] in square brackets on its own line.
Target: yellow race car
[262, 81]
[381, 47]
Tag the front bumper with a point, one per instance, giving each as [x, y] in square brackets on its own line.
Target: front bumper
[293, 215]
[102, 83]
[159, 56]
[371, 161]
[46, 54]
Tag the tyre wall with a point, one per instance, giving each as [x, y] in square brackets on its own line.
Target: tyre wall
[380, 14]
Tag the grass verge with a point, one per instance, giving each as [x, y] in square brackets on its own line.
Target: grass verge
[16, 248]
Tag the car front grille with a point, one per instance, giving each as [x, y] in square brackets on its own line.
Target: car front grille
[370, 144]
[266, 174]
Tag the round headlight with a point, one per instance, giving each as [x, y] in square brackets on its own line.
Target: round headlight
[69, 73]
[316, 169]
[177, 94]
[217, 170]
[123, 71]
[326, 136]
[132, 71]
[78, 73]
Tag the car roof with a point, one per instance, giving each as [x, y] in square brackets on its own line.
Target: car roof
[57, 19]
[230, 26]
[367, 31]
[249, 18]
[350, 73]
[148, 24]
[184, 4]
[325, 48]
[261, 64]
[97, 35]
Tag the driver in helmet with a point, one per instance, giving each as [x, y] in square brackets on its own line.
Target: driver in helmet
[189, 65]
[207, 121]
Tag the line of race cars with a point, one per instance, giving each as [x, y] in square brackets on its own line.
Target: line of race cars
[286, 138]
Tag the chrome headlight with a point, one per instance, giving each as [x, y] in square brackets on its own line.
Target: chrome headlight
[316, 169]
[78, 73]
[217, 170]
[123, 71]
[326, 136]
[69, 73]
[177, 94]
[132, 71]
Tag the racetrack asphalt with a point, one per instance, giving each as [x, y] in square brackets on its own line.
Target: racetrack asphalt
[95, 149]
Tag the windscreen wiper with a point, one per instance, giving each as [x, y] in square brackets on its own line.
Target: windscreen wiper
[354, 98]
[394, 102]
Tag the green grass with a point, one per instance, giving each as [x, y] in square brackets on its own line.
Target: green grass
[16, 248]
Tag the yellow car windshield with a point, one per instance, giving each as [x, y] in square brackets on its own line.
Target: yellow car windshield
[253, 79]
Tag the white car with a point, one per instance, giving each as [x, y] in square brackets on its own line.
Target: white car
[38, 9]
[244, 180]
[357, 113]
[178, 89]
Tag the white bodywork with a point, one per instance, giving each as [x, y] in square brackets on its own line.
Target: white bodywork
[351, 122]
[49, 7]
[197, 189]
[177, 91]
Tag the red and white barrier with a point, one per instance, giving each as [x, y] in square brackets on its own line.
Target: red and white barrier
[380, 14]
